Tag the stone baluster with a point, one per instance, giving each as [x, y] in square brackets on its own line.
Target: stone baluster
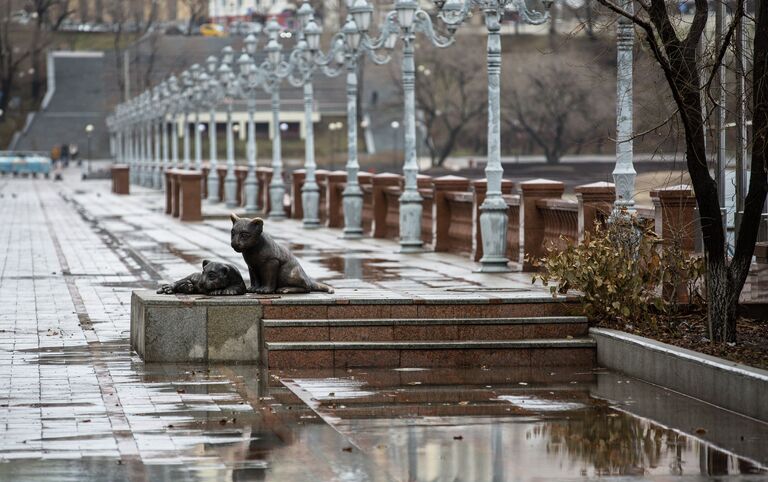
[441, 212]
[531, 219]
[595, 204]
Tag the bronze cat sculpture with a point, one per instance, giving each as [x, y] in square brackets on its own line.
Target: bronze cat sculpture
[272, 267]
[217, 279]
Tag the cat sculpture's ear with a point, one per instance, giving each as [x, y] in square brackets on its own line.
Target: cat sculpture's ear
[205, 262]
[234, 217]
[258, 221]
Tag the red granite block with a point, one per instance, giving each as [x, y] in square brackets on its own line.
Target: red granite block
[491, 332]
[563, 357]
[426, 332]
[432, 358]
[300, 359]
[360, 333]
[556, 330]
[403, 311]
[296, 312]
[366, 358]
[338, 312]
[295, 333]
[509, 357]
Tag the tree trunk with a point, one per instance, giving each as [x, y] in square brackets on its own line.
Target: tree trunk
[37, 77]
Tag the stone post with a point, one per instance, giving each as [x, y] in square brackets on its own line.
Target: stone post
[531, 220]
[675, 222]
[168, 191]
[675, 215]
[297, 194]
[335, 198]
[321, 178]
[190, 199]
[441, 213]
[120, 175]
[380, 183]
[595, 201]
[175, 193]
[761, 254]
[479, 188]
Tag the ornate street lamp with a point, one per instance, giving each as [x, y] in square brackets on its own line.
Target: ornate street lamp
[146, 149]
[215, 95]
[175, 103]
[493, 212]
[157, 178]
[250, 81]
[196, 100]
[411, 19]
[273, 70]
[304, 59]
[349, 44]
[228, 82]
[186, 100]
[164, 109]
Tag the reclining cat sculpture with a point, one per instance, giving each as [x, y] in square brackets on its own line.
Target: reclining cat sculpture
[272, 267]
[217, 279]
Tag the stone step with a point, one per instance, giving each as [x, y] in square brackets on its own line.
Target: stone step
[324, 308]
[424, 329]
[439, 353]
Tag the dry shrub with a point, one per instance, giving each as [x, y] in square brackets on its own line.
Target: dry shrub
[626, 275]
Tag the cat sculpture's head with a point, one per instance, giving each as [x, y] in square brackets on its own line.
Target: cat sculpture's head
[246, 232]
[216, 276]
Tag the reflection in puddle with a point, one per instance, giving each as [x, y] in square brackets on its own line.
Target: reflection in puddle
[481, 426]
[353, 266]
[540, 404]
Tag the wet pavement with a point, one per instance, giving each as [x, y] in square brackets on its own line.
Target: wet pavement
[76, 404]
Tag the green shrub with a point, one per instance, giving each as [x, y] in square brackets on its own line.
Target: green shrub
[625, 273]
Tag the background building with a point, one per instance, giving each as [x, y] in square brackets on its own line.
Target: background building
[110, 11]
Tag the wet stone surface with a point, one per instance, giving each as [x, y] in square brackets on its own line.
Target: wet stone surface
[77, 404]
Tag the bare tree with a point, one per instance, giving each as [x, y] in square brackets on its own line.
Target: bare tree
[675, 47]
[450, 93]
[11, 57]
[198, 10]
[49, 14]
[553, 108]
[132, 21]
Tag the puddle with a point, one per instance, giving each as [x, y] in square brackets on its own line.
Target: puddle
[520, 425]
[353, 266]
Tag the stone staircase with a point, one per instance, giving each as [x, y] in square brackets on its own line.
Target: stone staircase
[426, 335]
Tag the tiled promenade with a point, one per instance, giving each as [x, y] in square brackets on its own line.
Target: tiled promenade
[76, 405]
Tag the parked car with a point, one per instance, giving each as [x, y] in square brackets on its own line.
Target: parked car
[24, 163]
[212, 30]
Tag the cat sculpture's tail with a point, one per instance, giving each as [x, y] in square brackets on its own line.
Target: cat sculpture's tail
[318, 286]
